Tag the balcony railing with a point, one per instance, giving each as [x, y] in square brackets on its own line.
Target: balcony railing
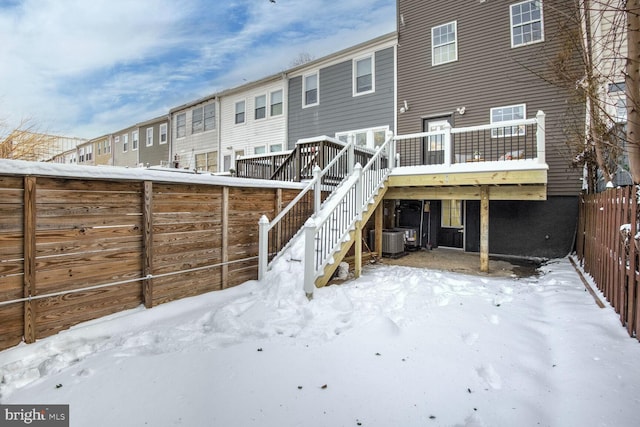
[499, 142]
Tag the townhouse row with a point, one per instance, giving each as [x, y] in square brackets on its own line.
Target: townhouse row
[462, 65]
[350, 92]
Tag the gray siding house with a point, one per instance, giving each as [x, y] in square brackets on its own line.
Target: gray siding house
[126, 146]
[473, 63]
[347, 93]
[154, 141]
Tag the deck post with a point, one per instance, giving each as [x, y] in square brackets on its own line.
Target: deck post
[309, 257]
[391, 154]
[358, 250]
[484, 229]
[263, 246]
[352, 154]
[447, 144]
[359, 192]
[379, 223]
[540, 137]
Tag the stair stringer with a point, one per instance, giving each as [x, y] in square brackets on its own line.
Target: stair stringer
[330, 268]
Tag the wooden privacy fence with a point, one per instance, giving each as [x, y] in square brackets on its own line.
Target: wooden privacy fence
[608, 249]
[74, 249]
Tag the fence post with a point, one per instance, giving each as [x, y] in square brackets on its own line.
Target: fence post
[147, 266]
[29, 276]
[447, 144]
[540, 137]
[309, 257]
[263, 246]
[317, 190]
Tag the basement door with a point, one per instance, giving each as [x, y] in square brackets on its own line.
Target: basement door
[451, 233]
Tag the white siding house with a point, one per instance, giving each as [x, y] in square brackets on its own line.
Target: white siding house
[253, 119]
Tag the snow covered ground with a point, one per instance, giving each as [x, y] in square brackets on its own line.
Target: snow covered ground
[398, 347]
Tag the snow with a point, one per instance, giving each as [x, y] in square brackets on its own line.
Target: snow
[488, 166]
[398, 347]
[20, 167]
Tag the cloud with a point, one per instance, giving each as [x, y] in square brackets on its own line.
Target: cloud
[89, 68]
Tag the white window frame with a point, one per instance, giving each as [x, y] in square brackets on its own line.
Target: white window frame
[244, 112]
[263, 107]
[149, 141]
[272, 104]
[369, 134]
[435, 46]
[163, 131]
[515, 130]
[181, 124]
[125, 142]
[356, 61]
[209, 116]
[304, 89]
[197, 120]
[135, 140]
[513, 26]
[260, 149]
[274, 148]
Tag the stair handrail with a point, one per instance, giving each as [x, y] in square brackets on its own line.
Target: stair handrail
[314, 184]
[325, 232]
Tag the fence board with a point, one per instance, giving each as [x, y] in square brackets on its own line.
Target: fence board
[81, 232]
[608, 255]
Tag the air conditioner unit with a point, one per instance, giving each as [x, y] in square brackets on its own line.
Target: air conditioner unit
[392, 243]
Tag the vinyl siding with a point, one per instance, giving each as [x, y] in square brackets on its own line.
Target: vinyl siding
[488, 73]
[193, 143]
[156, 153]
[246, 136]
[338, 110]
[130, 157]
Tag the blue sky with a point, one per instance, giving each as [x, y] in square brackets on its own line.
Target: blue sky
[89, 67]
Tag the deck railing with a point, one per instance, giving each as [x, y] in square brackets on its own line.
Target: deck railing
[298, 164]
[325, 232]
[499, 142]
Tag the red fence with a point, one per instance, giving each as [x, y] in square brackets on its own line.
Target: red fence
[608, 249]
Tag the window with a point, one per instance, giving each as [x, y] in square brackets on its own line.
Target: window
[369, 138]
[363, 76]
[207, 161]
[526, 23]
[181, 125]
[227, 163]
[89, 153]
[505, 114]
[125, 143]
[134, 140]
[444, 43]
[196, 120]
[274, 148]
[81, 155]
[163, 133]
[261, 107]
[310, 90]
[209, 116]
[99, 148]
[149, 137]
[452, 213]
[107, 146]
[239, 112]
[276, 103]
[261, 149]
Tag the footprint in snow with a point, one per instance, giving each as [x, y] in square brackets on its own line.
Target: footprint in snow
[490, 376]
[470, 338]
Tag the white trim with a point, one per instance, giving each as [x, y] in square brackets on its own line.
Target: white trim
[147, 144]
[255, 107]
[522, 128]
[304, 89]
[271, 104]
[455, 43]
[511, 25]
[135, 140]
[235, 112]
[166, 133]
[354, 74]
